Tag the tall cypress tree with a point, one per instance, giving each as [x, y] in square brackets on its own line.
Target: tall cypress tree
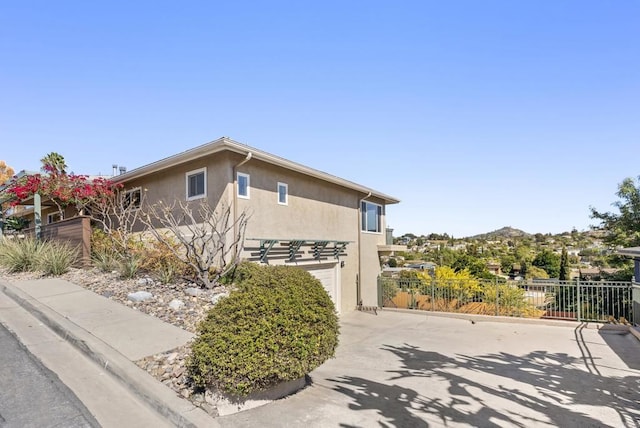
[564, 265]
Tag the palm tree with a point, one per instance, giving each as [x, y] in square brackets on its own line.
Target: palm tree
[54, 163]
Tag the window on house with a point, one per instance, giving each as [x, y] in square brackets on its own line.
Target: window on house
[196, 184]
[132, 198]
[243, 185]
[371, 217]
[53, 217]
[283, 193]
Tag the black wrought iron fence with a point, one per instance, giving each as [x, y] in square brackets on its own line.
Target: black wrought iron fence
[570, 300]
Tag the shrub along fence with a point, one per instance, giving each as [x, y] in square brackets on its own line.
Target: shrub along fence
[75, 231]
[566, 300]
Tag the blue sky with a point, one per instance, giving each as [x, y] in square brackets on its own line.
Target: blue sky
[476, 114]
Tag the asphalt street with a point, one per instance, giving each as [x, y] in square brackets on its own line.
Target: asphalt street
[31, 395]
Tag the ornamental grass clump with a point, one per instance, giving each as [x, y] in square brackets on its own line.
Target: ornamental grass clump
[30, 255]
[277, 325]
[19, 254]
[56, 258]
[105, 260]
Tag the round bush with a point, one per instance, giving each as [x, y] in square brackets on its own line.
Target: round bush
[278, 325]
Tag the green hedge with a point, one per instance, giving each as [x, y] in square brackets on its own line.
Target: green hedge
[278, 325]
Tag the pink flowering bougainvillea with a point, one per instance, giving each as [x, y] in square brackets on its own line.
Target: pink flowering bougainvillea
[62, 189]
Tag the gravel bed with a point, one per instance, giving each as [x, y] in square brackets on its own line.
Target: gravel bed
[180, 304]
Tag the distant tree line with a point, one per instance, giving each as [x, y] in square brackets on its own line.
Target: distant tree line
[527, 256]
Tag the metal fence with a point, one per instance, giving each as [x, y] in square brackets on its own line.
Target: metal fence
[635, 302]
[566, 300]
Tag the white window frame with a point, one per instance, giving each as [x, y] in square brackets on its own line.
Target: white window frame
[50, 217]
[130, 191]
[379, 214]
[286, 193]
[248, 177]
[191, 174]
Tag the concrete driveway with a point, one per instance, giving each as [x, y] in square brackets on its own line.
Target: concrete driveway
[414, 370]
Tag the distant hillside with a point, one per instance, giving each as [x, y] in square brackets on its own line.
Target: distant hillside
[505, 232]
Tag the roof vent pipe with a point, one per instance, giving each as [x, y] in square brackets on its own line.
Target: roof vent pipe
[114, 169]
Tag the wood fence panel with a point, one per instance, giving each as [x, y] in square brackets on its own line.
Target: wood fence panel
[76, 231]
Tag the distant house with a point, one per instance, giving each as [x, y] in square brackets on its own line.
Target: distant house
[494, 268]
[515, 269]
[428, 267]
[573, 251]
[589, 274]
[391, 272]
[423, 266]
[404, 240]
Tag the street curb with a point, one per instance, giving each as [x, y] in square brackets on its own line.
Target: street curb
[161, 398]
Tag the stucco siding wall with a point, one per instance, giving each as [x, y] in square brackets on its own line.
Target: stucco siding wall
[170, 187]
[316, 210]
[370, 267]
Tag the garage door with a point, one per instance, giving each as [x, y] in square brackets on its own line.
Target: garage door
[327, 274]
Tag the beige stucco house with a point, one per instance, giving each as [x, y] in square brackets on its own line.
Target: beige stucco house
[300, 216]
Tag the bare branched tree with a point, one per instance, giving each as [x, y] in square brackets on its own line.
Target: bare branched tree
[210, 241]
[118, 216]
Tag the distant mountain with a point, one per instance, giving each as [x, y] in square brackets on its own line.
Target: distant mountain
[505, 232]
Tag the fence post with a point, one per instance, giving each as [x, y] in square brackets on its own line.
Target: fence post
[497, 296]
[37, 211]
[578, 300]
[433, 294]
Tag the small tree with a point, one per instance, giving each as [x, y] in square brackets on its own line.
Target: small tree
[460, 285]
[549, 261]
[564, 265]
[536, 272]
[210, 242]
[118, 216]
[6, 172]
[623, 227]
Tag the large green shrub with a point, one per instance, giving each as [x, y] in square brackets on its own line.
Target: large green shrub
[278, 325]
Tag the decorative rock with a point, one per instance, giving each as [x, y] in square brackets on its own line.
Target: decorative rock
[216, 297]
[192, 291]
[176, 304]
[161, 366]
[178, 371]
[139, 296]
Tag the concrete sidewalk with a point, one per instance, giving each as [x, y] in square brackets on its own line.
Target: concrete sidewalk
[110, 334]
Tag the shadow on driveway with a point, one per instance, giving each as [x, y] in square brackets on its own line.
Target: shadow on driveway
[558, 387]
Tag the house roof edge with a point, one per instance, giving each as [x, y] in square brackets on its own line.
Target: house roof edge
[225, 143]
